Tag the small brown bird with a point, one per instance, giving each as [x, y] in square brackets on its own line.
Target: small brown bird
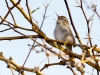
[62, 31]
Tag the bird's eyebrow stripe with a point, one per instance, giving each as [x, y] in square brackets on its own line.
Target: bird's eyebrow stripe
[64, 18]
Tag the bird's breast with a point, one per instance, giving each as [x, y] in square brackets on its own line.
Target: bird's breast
[62, 34]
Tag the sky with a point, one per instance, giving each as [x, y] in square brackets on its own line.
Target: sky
[18, 49]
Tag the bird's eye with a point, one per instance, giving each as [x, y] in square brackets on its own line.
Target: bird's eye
[64, 18]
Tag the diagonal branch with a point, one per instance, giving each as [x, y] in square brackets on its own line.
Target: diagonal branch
[77, 36]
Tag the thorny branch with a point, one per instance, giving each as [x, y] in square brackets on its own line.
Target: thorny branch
[54, 43]
[87, 20]
[15, 66]
[89, 33]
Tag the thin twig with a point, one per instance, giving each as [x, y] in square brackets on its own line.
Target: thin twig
[77, 36]
[9, 11]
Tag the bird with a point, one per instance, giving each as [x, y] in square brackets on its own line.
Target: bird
[62, 31]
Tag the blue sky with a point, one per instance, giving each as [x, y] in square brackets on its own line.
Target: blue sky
[18, 49]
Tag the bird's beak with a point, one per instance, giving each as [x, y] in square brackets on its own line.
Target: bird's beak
[57, 14]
